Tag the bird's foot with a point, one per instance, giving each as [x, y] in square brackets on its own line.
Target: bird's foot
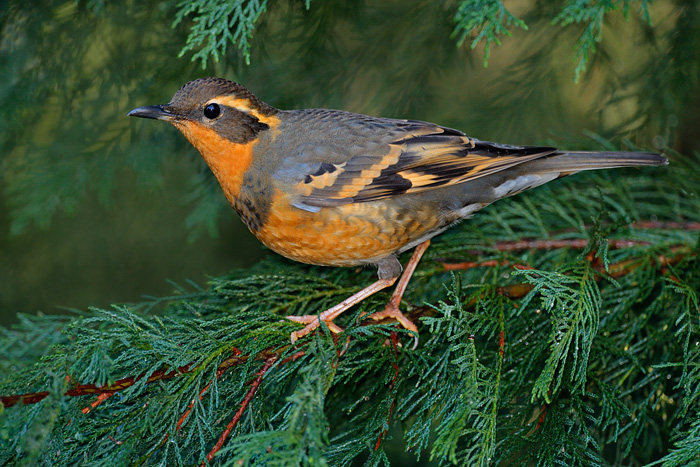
[312, 322]
[391, 311]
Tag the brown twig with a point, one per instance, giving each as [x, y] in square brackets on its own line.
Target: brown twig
[111, 438]
[219, 372]
[480, 264]
[501, 342]
[661, 261]
[520, 245]
[666, 225]
[124, 383]
[85, 389]
[182, 419]
[516, 291]
[578, 243]
[254, 385]
[645, 225]
[101, 398]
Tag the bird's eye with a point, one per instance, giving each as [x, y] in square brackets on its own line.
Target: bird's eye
[212, 111]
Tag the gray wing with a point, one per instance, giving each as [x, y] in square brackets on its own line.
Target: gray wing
[337, 158]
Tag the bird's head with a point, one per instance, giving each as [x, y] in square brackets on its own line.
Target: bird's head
[222, 119]
[213, 107]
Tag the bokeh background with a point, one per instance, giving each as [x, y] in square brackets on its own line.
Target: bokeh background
[97, 208]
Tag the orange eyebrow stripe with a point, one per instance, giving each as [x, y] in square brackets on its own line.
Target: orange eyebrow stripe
[244, 106]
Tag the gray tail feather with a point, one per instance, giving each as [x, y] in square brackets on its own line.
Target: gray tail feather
[576, 161]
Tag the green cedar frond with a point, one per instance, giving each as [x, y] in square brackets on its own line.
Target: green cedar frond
[466, 407]
[489, 17]
[217, 23]
[572, 298]
[592, 15]
[687, 449]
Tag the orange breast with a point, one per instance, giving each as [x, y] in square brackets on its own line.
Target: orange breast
[345, 235]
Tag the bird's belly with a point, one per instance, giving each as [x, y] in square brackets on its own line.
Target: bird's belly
[346, 235]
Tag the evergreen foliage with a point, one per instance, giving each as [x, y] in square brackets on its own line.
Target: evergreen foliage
[589, 358]
[490, 18]
[215, 24]
[219, 23]
[592, 15]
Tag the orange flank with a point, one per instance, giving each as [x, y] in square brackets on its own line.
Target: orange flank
[338, 236]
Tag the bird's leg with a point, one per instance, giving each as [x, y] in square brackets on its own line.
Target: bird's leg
[314, 321]
[392, 308]
[390, 311]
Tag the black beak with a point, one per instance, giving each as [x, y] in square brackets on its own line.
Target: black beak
[158, 112]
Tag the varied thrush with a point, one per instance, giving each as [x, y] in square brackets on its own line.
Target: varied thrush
[336, 188]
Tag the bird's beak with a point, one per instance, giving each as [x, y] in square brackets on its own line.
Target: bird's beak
[158, 112]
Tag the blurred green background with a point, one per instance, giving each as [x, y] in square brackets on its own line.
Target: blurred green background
[97, 208]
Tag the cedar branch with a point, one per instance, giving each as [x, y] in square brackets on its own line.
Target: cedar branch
[254, 385]
[513, 291]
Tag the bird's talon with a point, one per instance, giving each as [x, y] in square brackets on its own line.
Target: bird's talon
[306, 319]
[392, 312]
[312, 322]
[416, 339]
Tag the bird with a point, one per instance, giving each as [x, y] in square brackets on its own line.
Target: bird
[336, 188]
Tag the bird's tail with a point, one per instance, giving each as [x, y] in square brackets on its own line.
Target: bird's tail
[570, 162]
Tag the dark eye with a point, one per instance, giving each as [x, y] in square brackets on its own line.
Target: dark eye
[212, 111]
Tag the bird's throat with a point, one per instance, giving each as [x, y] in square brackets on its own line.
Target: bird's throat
[226, 159]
